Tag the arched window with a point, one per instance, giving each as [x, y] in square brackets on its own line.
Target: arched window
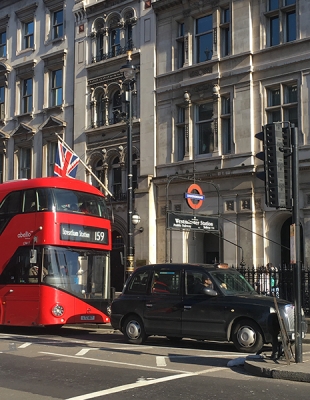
[100, 111]
[99, 46]
[98, 168]
[114, 38]
[99, 40]
[116, 106]
[116, 179]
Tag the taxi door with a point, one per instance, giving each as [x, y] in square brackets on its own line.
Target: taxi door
[163, 307]
[203, 316]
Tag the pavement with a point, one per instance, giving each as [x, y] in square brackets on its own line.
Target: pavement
[287, 369]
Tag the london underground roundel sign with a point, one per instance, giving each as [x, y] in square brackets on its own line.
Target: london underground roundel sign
[194, 196]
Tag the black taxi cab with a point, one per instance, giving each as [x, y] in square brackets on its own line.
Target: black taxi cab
[199, 301]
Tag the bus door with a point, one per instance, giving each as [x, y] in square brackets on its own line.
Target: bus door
[20, 290]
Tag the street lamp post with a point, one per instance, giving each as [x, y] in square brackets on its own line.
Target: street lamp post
[129, 72]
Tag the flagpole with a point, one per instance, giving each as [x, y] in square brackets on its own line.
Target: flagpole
[85, 166]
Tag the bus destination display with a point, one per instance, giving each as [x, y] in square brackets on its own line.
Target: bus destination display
[80, 233]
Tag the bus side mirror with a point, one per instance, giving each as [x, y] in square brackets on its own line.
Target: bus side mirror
[33, 256]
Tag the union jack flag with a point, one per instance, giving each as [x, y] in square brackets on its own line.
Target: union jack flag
[66, 162]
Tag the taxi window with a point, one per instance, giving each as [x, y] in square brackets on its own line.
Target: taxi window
[139, 282]
[166, 282]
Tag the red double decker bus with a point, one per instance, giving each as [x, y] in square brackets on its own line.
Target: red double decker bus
[55, 241]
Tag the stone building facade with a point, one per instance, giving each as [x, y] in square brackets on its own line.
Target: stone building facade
[224, 69]
[208, 75]
[36, 85]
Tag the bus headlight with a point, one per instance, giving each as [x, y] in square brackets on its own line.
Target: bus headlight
[58, 310]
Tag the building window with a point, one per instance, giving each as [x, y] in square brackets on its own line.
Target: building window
[204, 38]
[180, 131]
[98, 171]
[181, 45]
[58, 24]
[99, 46]
[117, 179]
[290, 26]
[204, 125]
[24, 160]
[28, 35]
[54, 73]
[56, 87]
[128, 34]
[282, 103]
[226, 126]
[116, 107]
[27, 90]
[225, 32]
[281, 21]
[100, 110]
[51, 157]
[2, 92]
[115, 41]
[2, 44]
[113, 36]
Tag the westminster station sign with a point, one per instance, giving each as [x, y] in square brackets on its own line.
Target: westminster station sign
[191, 222]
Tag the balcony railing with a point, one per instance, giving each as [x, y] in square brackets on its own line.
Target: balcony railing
[117, 51]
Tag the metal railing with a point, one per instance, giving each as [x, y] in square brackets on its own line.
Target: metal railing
[117, 51]
[279, 280]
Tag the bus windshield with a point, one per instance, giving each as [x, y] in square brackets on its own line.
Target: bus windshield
[81, 272]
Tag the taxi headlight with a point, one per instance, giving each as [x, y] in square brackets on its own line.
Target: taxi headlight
[58, 310]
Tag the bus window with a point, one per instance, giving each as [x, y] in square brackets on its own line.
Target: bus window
[11, 204]
[86, 203]
[45, 199]
[9, 207]
[19, 269]
[30, 202]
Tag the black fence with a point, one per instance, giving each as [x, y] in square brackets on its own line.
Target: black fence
[279, 280]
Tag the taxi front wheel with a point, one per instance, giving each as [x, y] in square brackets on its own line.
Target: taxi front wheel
[133, 330]
[247, 336]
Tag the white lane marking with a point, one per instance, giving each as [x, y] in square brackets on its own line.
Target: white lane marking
[160, 361]
[122, 388]
[23, 346]
[113, 362]
[85, 351]
[138, 384]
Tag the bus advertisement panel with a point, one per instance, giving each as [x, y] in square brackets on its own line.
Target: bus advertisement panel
[55, 238]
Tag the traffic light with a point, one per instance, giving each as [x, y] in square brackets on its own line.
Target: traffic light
[277, 166]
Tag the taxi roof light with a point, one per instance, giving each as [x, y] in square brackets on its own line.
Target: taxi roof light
[223, 266]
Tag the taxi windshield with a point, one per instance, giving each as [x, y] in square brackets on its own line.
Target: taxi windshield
[231, 282]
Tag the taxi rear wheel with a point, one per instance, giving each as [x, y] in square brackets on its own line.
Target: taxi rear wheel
[247, 336]
[133, 330]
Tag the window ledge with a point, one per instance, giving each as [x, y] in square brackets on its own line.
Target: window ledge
[23, 51]
[30, 114]
[55, 41]
[50, 108]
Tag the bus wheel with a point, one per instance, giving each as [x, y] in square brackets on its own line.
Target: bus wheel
[133, 330]
[247, 336]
